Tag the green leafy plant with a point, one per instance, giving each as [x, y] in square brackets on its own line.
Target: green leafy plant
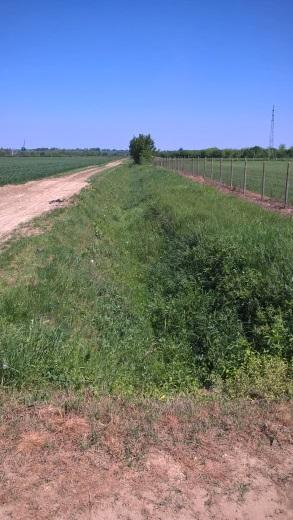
[141, 148]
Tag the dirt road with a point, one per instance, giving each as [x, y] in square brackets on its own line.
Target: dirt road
[20, 203]
[173, 461]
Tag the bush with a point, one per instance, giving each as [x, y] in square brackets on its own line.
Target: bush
[260, 376]
[208, 294]
[141, 148]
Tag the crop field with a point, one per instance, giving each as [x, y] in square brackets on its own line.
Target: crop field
[150, 286]
[275, 174]
[15, 170]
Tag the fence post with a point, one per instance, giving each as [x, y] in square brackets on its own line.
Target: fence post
[193, 171]
[198, 165]
[221, 167]
[287, 185]
[245, 175]
[204, 168]
[212, 168]
[263, 180]
[231, 176]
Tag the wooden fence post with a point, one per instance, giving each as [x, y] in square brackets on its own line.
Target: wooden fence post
[193, 171]
[245, 175]
[204, 167]
[212, 168]
[231, 174]
[287, 185]
[198, 165]
[221, 167]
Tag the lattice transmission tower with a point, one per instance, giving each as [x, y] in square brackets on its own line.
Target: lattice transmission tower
[272, 130]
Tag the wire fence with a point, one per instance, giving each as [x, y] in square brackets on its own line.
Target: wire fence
[270, 180]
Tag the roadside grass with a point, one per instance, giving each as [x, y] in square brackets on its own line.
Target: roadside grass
[16, 170]
[152, 286]
[275, 175]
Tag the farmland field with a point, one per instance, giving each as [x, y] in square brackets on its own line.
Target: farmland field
[151, 285]
[275, 174]
[15, 170]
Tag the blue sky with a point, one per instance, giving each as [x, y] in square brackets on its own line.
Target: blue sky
[193, 74]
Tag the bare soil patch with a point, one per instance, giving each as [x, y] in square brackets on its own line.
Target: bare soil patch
[20, 203]
[267, 203]
[110, 459]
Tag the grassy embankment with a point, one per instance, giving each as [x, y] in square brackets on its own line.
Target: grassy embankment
[275, 175]
[15, 170]
[151, 285]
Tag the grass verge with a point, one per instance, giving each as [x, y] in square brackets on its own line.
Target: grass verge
[151, 285]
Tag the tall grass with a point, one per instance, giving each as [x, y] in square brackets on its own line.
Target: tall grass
[150, 285]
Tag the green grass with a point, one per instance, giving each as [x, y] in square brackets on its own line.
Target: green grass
[151, 285]
[275, 175]
[15, 170]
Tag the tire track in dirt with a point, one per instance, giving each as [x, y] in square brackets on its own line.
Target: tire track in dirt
[20, 203]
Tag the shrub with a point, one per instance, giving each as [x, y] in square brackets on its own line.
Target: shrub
[141, 148]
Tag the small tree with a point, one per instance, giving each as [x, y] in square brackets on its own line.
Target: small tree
[141, 148]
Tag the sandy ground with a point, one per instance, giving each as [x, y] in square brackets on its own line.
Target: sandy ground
[111, 460]
[22, 202]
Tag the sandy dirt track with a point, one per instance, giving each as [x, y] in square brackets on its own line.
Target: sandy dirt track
[19, 203]
[115, 461]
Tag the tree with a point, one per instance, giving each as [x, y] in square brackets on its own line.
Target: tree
[141, 148]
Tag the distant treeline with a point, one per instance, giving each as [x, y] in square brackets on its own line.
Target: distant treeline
[255, 152]
[60, 152]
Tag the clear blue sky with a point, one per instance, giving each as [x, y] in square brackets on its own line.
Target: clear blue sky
[192, 73]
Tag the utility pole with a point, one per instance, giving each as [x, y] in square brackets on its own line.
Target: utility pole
[272, 132]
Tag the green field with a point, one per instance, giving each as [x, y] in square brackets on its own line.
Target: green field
[15, 170]
[150, 285]
[275, 174]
